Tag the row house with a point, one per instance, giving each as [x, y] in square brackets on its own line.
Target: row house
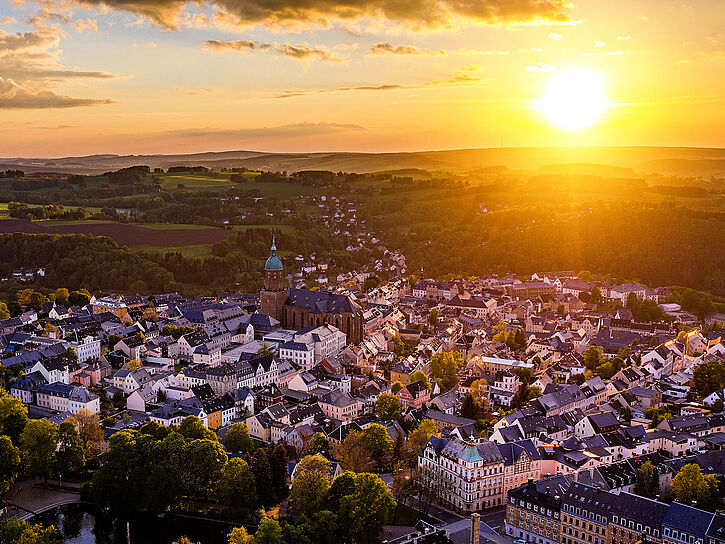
[61, 397]
[533, 511]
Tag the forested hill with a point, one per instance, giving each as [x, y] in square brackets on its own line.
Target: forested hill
[683, 161]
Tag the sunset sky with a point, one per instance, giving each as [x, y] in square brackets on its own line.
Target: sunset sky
[164, 76]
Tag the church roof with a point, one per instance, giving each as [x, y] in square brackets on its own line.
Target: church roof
[274, 262]
[322, 302]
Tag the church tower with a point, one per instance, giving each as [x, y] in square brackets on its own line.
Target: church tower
[273, 295]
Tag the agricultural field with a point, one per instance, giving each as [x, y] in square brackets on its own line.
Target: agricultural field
[127, 234]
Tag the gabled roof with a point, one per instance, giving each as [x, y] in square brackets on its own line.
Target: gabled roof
[688, 519]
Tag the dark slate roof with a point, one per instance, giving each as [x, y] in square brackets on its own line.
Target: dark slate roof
[717, 527]
[321, 302]
[688, 519]
[513, 450]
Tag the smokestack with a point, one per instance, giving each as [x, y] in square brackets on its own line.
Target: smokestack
[475, 528]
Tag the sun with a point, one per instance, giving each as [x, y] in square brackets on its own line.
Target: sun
[574, 100]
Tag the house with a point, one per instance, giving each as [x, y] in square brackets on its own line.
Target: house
[467, 475]
[414, 395]
[133, 347]
[26, 385]
[140, 399]
[339, 405]
[130, 380]
[54, 370]
[603, 422]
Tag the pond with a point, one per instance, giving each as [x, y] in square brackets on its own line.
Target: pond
[84, 524]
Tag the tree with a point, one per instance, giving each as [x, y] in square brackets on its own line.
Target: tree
[61, 296]
[9, 464]
[354, 455]
[193, 428]
[388, 408]
[479, 391]
[13, 416]
[647, 483]
[689, 485]
[69, 458]
[418, 438]
[592, 357]
[89, 430]
[206, 460]
[312, 481]
[184, 540]
[367, 509]
[397, 386]
[656, 415]
[524, 395]
[236, 487]
[38, 444]
[263, 476]
[433, 317]
[418, 376]
[717, 406]
[318, 444]
[114, 339]
[238, 439]
[444, 366]
[268, 532]
[470, 409]
[377, 441]
[239, 535]
[4, 312]
[709, 377]
[134, 364]
[278, 466]
[265, 349]
[22, 532]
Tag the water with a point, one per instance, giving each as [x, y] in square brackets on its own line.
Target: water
[83, 524]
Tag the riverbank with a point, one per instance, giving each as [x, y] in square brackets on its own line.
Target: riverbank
[31, 497]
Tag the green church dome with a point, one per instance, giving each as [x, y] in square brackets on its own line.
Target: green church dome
[274, 262]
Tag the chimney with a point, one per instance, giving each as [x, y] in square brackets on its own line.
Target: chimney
[475, 528]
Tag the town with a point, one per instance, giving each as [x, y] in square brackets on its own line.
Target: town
[551, 409]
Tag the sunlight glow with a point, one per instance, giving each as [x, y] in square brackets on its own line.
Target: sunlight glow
[574, 100]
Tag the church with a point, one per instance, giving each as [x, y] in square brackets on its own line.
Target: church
[298, 308]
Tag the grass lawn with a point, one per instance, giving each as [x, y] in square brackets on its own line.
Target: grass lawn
[192, 252]
[405, 515]
[172, 226]
[170, 182]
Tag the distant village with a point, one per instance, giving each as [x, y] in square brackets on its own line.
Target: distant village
[558, 435]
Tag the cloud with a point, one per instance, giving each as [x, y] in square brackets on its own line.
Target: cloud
[412, 14]
[15, 96]
[386, 48]
[7, 20]
[34, 55]
[598, 44]
[85, 24]
[303, 51]
[30, 67]
[605, 54]
[462, 76]
[540, 67]
[467, 51]
[627, 37]
[555, 36]
[150, 45]
[291, 130]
